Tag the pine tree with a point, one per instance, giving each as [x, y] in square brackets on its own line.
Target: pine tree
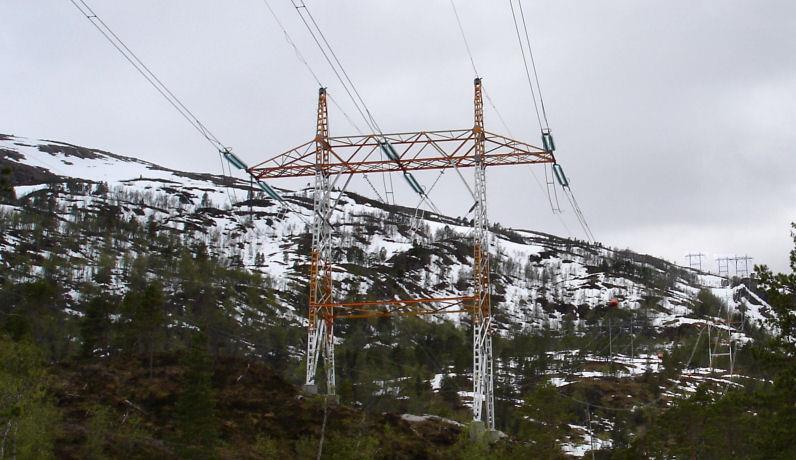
[144, 330]
[544, 413]
[95, 325]
[7, 194]
[780, 425]
[196, 419]
[28, 416]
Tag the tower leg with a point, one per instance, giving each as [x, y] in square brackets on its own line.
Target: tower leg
[328, 359]
[314, 335]
[320, 315]
[483, 385]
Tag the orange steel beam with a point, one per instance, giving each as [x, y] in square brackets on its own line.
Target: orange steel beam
[411, 307]
[397, 302]
[424, 150]
[391, 314]
[399, 307]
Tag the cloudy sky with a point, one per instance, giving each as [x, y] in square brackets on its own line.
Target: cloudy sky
[674, 119]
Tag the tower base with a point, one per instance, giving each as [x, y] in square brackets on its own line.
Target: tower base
[311, 389]
[479, 433]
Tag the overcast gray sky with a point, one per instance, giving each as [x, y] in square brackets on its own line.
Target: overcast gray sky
[674, 119]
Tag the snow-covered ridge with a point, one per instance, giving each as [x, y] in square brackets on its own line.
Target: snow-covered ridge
[540, 281]
[56, 161]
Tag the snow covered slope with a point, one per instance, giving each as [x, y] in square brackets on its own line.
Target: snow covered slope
[382, 252]
[540, 282]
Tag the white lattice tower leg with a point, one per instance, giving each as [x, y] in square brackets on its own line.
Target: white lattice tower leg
[328, 358]
[320, 327]
[483, 398]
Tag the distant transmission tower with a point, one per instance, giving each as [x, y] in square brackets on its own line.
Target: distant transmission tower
[742, 266]
[692, 264]
[723, 266]
[329, 158]
[721, 343]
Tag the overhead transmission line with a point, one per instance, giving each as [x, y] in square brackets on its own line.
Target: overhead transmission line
[525, 62]
[144, 70]
[500, 115]
[552, 198]
[677, 383]
[541, 113]
[351, 90]
[358, 102]
[303, 60]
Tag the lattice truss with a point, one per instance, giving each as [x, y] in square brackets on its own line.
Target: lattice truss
[326, 156]
[424, 150]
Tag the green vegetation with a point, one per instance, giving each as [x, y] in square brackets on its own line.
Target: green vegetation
[122, 339]
[134, 340]
[28, 416]
[755, 421]
[7, 194]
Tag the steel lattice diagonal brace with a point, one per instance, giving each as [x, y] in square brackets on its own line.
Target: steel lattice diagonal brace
[315, 336]
[328, 357]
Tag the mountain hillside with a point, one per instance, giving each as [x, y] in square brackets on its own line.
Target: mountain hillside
[232, 263]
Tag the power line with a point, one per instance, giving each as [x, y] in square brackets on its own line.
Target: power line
[545, 127]
[162, 89]
[654, 401]
[342, 69]
[305, 62]
[464, 38]
[363, 109]
[290, 41]
[144, 70]
[350, 88]
[578, 213]
[525, 64]
[502, 120]
[329, 61]
[533, 65]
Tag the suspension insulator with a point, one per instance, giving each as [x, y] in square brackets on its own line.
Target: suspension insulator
[269, 191]
[560, 176]
[389, 150]
[410, 179]
[234, 160]
[547, 141]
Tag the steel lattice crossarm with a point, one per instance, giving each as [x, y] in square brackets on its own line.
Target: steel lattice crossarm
[424, 150]
[401, 307]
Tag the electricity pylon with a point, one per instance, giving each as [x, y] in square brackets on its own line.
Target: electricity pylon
[741, 266]
[326, 156]
[696, 265]
[320, 330]
[724, 266]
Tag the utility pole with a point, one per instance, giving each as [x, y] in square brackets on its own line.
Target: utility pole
[710, 351]
[251, 199]
[713, 350]
[632, 337]
[610, 339]
[591, 432]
